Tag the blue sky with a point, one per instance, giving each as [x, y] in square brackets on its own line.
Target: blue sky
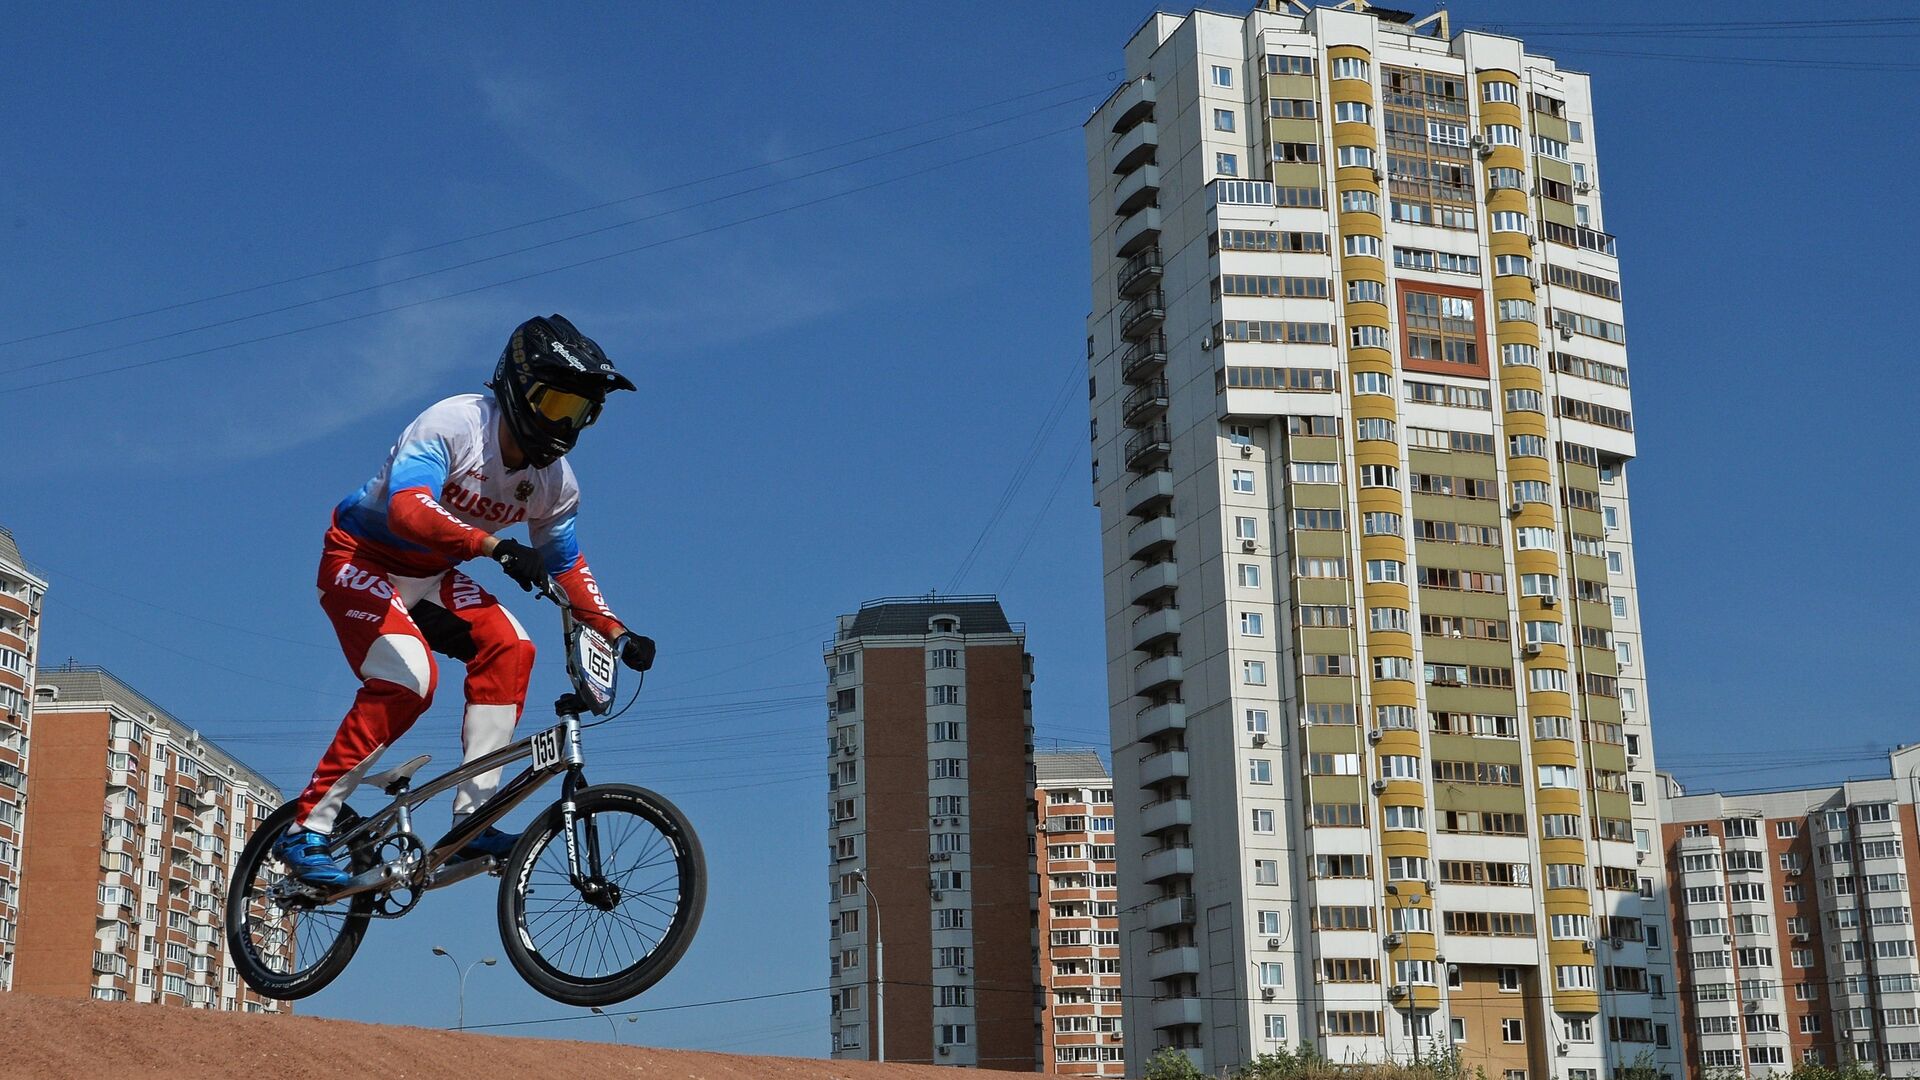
[835, 398]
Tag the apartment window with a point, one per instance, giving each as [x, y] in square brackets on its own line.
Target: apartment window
[1372, 382]
[1253, 672]
[946, 695]
[1266, 872]
[1505, 92]
[1223, 119]
[1387, 570]
[1356, 156]
[1380, 523]
[1353, 112]
[1246, 528]
[1256, 721]
[1512, 1030]
[1262, 821]
[1273, 973]
[1243, 481]
[1619, 607]
[1368, 337]
[1503, 134]
[1364, 291]
[1873, 812]
[1360, 202]
[1350, 67]
[1361, 244]
[1259, 771]
[1226, 164]
[1253, 624]
[1249, 575]
[1222, 75]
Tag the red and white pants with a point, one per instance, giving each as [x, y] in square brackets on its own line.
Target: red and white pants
[389, 627]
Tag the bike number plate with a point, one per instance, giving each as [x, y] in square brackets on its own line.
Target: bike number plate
[593, 669]
[550, 747]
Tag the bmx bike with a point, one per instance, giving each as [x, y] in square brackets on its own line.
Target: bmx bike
[598, 901]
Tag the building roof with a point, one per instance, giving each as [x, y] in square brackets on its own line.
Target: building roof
[83, 684]
[1061, 765]
[9, 551]
[909, 615]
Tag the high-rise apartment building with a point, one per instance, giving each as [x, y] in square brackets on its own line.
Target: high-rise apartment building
[137, 823]
[1078, 921]
[1793, 919]
[20, 592]
[1361, 432]
[930, 788]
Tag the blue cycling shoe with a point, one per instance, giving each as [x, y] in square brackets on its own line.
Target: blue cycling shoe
[305, 853]
[492, 842]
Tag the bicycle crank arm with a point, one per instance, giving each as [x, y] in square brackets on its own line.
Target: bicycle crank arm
[378, 877]
[454, 873]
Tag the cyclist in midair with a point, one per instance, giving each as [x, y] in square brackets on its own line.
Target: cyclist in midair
[465, 469]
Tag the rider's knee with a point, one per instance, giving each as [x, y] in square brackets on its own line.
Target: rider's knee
[402, 660]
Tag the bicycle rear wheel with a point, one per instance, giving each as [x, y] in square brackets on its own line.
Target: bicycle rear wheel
[608, 938]
[283, 946]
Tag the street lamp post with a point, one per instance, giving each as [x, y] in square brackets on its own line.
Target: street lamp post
[487, 962]
[879, 971]
[615, 1028]
[1413, 1017]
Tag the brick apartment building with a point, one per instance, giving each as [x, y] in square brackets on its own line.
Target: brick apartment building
[1079, 926]
[930, 788]
[137, 822]
[1793, 919]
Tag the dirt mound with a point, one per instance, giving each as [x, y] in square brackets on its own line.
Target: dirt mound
[54, 1039]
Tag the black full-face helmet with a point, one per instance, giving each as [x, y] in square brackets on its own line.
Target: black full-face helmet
[551, 382]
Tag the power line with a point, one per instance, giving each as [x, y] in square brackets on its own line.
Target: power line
[1033, 528]
[577, 264]
[1109, 75]
[628, 223]
[1055, 409]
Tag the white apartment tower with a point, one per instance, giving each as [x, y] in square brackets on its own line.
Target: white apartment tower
[21, 590]
[1383, 768]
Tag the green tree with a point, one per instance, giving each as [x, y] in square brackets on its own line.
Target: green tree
[1172, 1064]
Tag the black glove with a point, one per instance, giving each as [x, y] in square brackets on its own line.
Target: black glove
[521, 563]
[636, 651]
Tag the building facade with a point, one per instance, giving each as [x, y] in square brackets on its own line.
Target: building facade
[930, 784]
[1081, 1032]
[21, 590]
[1383, 767]
[137, 824]
[1793, 913]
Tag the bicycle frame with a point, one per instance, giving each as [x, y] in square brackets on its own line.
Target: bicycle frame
[396, 818]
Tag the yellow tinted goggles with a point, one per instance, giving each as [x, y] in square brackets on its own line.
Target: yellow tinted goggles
[562, 406]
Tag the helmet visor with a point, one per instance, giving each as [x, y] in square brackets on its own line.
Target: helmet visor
[563, 406]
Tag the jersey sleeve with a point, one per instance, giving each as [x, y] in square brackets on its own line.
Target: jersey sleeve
[553, 537]
[422, 461]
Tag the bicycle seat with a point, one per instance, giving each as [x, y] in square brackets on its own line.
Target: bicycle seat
[395, 780]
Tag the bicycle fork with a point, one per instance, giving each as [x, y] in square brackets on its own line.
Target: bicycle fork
[588, 878]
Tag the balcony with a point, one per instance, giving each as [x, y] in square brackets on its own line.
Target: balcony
[1163, 766]
[1153, 583]
[1161, 718]
[1170, 911]
[1158, 817]
[1147, 449]
[1149, 537]
[1137, 189]
[1144, 359]
[1151, 628]
[1168, 862]
[1156, 673]
[1137, 230]
[1135, 147]
[1176, 1012]
[1171, 960]
[1141, 272]
[110, 964]
[1146, 401]
[1149, 494]
[1143, 315]
[1133, 103]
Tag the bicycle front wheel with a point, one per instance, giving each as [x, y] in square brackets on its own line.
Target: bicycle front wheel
[615, 931]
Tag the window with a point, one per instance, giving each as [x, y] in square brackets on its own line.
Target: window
[1226, 164]
[1266, 872]
[1259, 771]
[1253, 672]
[1222, 75]
[1243, 481]
[1503, 92]
[946, 695]
[1246, 528]
[1262, 821]
[1356, 157]
[1353, 112]
[1361, 244]
[1273, 973]
[1351, 67]
[1387, 570]
[1512, 1030]
[1576, 131]
[1372, 382]
[1253, 624]
[1249, 575]
[1223, 119]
